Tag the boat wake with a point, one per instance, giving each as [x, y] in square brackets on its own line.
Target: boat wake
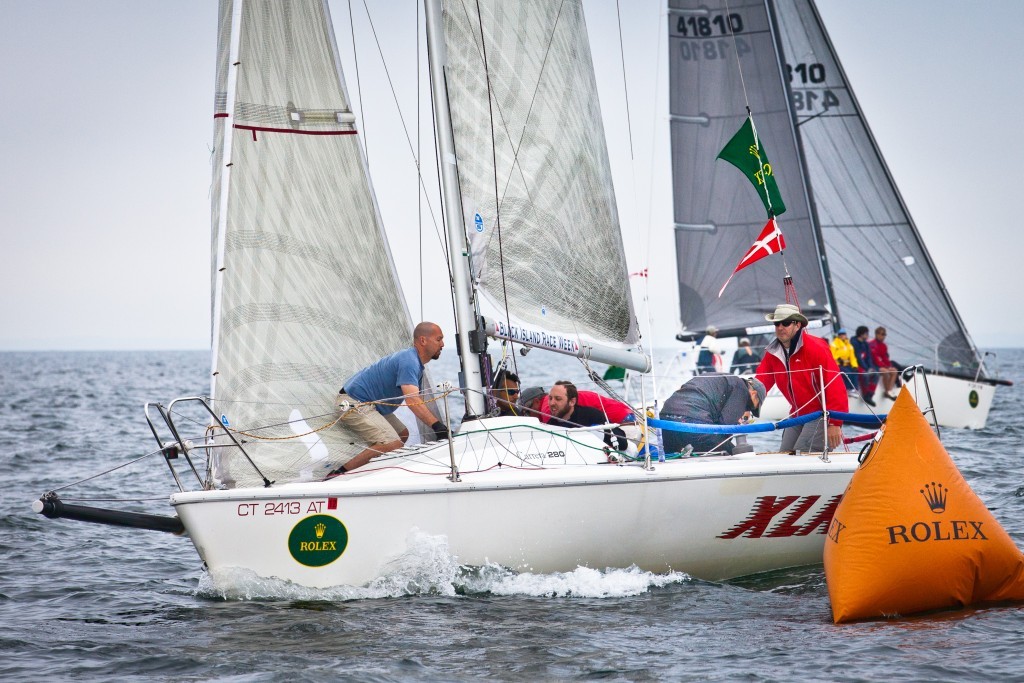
[427, 567]
[582, 582]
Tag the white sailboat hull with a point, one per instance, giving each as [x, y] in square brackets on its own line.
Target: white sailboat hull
[713, 518]
[958, 402]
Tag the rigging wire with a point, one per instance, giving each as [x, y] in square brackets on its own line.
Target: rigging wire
[787, 280]
[625, 89]
[419, 155]
[739, 66]
[650, 197]
[529, 110]
[359, 87]
[632, 159]
[501, 115]
[405, 128]
[105, 472]
[494, 167]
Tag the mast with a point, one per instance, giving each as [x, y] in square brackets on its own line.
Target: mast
[471, 342]
[812, 209]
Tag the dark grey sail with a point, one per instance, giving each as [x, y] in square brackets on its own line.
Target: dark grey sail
[880, 269]
[718, 214]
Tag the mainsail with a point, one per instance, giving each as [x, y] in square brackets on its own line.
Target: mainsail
[717, 212]
[881, 271]
[843, 202]
[305, 292]
[533, 167]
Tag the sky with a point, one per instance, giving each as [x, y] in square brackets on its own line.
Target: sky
[106, 128]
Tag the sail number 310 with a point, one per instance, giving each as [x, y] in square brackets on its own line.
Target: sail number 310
[809, 100]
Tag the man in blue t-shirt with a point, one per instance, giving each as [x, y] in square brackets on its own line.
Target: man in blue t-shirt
[376, 392]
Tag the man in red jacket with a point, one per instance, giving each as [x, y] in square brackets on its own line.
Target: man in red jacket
[793, 362]
[537, 404]
[880, 357]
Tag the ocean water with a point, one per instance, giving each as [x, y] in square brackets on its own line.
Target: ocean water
[88, 602]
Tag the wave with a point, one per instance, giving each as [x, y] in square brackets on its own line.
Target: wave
[427, 568]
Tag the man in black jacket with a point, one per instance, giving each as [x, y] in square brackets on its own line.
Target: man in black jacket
[566, 413]
[712, 400]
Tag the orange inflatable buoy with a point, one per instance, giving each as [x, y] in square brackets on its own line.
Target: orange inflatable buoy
[911, 536]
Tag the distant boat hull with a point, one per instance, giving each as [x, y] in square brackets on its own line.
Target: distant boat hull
[714, 518]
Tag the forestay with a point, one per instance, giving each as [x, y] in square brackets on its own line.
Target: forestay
[881, 272]
[533, 167]
[305, 292]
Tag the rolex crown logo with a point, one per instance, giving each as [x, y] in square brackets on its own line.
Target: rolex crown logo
[319, 529]
[935, 495]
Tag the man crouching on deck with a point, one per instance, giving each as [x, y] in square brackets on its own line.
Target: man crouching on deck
[376, 392]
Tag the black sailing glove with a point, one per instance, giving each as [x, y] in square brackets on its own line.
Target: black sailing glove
[440, 431]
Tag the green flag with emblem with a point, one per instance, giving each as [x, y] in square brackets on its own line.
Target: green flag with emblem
[745, 153]
[614, 372]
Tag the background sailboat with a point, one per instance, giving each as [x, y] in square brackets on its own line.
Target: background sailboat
[854, 252]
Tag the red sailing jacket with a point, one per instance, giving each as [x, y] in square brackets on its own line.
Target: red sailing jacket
[801, 386]
[615, 410]
[880, 353]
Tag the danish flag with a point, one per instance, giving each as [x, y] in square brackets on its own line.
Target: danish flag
[769, 242]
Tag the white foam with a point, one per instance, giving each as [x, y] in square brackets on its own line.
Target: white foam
[582, 582]
[427, 567]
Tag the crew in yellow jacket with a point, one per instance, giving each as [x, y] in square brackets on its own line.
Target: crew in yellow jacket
[842, 350]
[846, 358]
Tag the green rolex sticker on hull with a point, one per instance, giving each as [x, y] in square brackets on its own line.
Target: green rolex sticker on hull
[972, 398]
[318, 540]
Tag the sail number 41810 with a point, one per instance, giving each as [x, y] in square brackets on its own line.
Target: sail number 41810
[714, 25]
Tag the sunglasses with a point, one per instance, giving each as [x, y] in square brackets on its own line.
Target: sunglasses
[511, 392]
[785, 323]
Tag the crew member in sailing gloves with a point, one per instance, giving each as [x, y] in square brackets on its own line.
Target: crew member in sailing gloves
[440, 431]
[369, 399]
